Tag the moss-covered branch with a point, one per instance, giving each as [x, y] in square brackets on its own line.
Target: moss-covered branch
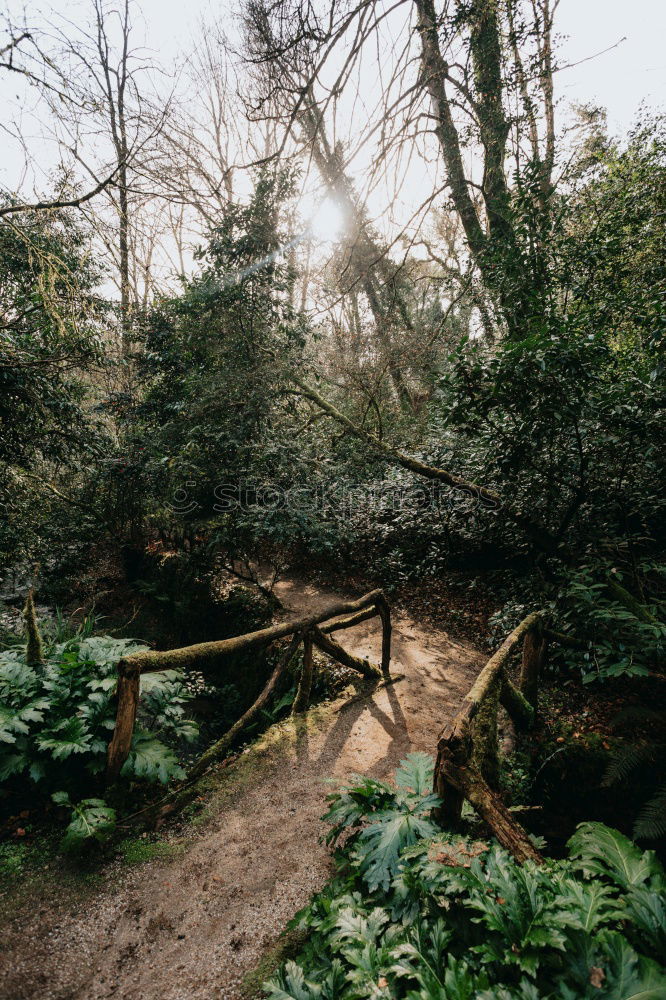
[539, 535]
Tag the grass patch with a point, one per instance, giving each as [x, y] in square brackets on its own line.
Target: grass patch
[287, 946]
[139, 850]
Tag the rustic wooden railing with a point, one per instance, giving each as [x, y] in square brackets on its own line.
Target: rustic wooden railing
[468, 750]
[311, 630]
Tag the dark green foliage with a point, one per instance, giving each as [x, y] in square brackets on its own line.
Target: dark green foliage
[50, 337]
[92, 820]
[215, 364]
[457, 920]
[638, 761]
[57, 718]
[619, 642]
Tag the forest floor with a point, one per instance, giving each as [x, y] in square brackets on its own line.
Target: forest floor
[193, 924]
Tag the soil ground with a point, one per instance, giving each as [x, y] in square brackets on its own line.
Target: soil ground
[191, 927]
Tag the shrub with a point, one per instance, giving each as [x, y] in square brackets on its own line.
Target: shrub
[56, 720]
[418, 914]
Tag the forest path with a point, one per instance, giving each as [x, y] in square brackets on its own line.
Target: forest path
[190, 928]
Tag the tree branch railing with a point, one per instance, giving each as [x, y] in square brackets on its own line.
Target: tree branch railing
[468, 750]
[310, 630]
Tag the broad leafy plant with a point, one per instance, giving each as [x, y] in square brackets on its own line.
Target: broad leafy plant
[56, 720]
[418, 914]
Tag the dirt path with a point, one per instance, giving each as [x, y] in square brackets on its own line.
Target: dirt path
[189, 929]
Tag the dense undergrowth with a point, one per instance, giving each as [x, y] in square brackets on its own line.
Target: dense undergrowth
[58, 712]
[419, 914]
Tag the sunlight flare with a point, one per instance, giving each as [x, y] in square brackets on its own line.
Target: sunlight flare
[327, 222]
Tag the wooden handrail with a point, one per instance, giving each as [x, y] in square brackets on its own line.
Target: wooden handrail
[467, 754]
[306, 629]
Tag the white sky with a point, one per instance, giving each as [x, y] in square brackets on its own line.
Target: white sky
[620, 80]
[632, 72]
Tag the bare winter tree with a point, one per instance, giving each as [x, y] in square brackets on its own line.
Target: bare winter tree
[24, 55]
[465, 88]
[115, 122]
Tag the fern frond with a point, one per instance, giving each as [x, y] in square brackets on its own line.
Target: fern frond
[651, 821]
[626, 760]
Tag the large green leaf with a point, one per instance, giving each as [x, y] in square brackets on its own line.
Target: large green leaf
[91, 819]
[65, 738]
[601, 850]
[415, 774]
[381, 843]
[149, 758]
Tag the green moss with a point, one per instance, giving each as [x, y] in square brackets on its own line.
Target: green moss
[138, 850]
[34, 653]
[224, 783]
[287, 946]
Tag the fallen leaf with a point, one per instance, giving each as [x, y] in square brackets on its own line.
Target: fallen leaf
[597, 976]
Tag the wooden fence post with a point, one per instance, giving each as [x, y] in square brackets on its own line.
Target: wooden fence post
[534, 648]
[454, 751]
[129, 680]
[385, 616]
[485, 741]
[302, 699]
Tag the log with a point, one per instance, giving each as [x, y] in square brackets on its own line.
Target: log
[455, 745]
[356, 619]
[219, 748]
[128, 702]
[495, 814]
[515, 703]
[476, 694]
[335, 650]
[302, 699]
[205, 652]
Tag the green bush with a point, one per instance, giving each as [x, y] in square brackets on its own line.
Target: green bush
[418, 914]
[620, 643]
[56, 720]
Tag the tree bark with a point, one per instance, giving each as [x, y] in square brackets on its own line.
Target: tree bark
[334, 649]
[485, 752]
[534, 648]
[483, 683]
[302, 699]
[492, 810]
[515, 703]
[128, 700]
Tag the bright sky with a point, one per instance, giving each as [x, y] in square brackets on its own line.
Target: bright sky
[621, 79]
[619, 75]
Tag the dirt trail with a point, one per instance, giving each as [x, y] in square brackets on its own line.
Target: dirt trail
[189, 929]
